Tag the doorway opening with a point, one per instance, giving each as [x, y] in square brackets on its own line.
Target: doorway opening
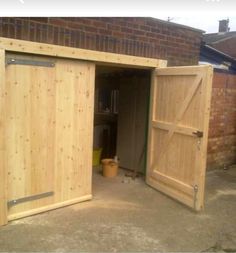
[121, 118]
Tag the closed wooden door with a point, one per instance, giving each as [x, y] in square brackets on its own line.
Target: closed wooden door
[48, 133]
[178, 132]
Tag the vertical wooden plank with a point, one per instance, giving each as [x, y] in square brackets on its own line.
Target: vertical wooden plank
[41, 131]
[3, 185]
[152, 105]
[205, 112]
[90, 124]
[150, 128]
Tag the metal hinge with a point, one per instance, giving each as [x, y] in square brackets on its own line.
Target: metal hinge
[195, 188]
[199, 134]
[14, 61]
[29, 198]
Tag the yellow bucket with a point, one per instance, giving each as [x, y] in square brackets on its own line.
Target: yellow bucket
[97, 156]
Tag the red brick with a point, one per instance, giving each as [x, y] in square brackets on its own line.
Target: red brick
[75, 25]
[58, 22]
[219, 80]
[231, 81]
[105, 32]
[126, 30]
[86, 21]
[113, 27]
[145, 28]
[99, 24]
[40, 20]
[90, 29]
[118, 34]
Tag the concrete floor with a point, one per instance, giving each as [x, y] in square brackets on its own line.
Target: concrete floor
[130, 216]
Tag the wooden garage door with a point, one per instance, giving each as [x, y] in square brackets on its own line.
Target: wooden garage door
[48, 133]
[178, 130]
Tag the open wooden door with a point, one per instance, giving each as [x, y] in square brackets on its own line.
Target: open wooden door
[178, 132]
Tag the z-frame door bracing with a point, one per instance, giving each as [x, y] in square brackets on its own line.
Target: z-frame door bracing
[178, 132]
[48, 133]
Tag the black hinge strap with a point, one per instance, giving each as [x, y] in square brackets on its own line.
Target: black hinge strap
[14, 61]
[29, 198]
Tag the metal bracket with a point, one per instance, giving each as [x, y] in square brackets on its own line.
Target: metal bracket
[13, 61]
[199, 134]
[29, 198]
[195, 188]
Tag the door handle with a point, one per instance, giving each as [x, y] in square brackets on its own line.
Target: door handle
[199, 134]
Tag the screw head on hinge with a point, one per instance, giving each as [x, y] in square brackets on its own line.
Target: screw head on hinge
[195, 188]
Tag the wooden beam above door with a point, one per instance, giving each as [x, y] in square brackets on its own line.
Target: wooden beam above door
[77, 53]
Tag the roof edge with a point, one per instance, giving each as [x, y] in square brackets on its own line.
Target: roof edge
[223, 39]
[219, 52]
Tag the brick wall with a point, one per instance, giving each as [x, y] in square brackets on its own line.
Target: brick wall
[222, 132]
[145, 37]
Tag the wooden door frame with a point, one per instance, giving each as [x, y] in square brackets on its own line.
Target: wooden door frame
[35, 48]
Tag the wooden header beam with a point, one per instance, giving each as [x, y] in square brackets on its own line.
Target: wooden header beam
[77, 53]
